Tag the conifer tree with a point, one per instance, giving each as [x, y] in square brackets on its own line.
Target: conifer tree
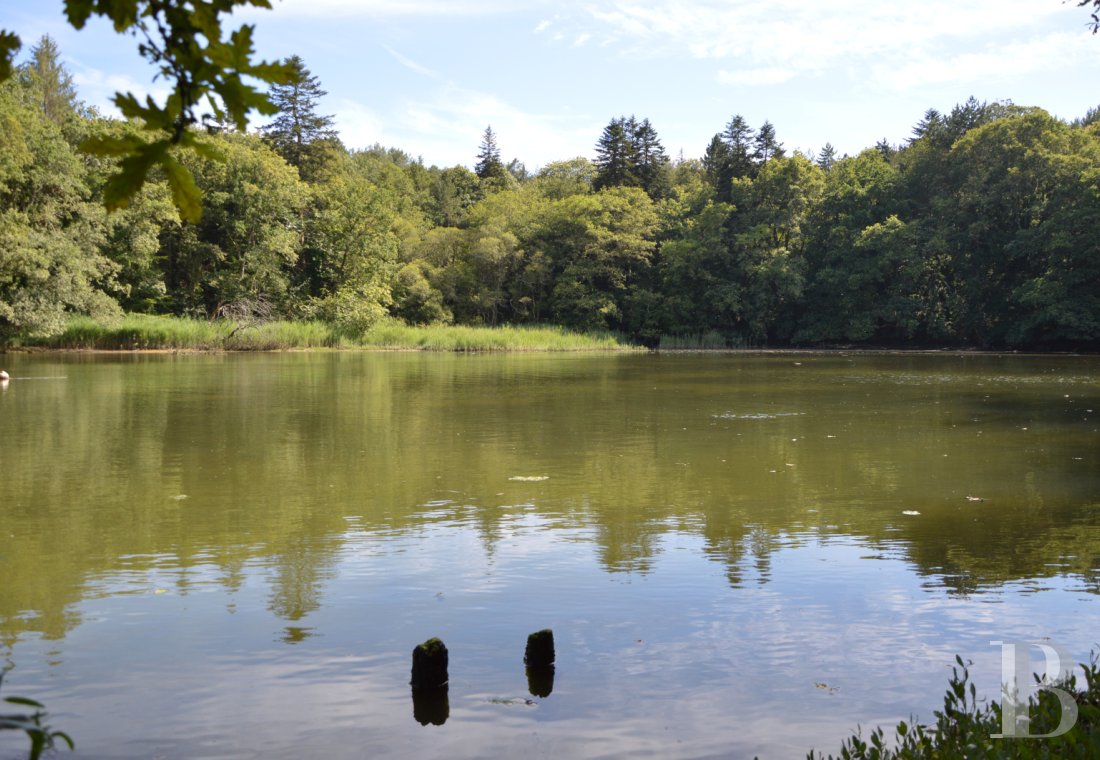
[928, 125]
[765, 146]
[614, 155]
[716, 160]
[489, 165]
[739, 138]
[298, 133]
[827, 157]
[650, 157]
[49, 81]
[629, 154]
[886, 148]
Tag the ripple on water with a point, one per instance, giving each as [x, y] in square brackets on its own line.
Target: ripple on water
[756, 415]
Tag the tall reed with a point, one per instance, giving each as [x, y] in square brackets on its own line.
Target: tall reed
[147, 332]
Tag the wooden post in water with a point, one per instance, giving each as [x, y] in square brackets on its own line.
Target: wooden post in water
[539, 658]
[540, 649]
[431, 704]
[429, 668]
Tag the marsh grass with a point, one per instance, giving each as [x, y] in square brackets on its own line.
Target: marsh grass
[146, 332]
[136, 332]
[465, 338]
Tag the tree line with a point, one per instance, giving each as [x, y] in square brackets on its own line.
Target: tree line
[977, 231]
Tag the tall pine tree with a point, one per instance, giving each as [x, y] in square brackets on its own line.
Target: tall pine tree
[615, 155]
[629, 154]
[298, 133]
[651, 159]
[827, 157]
[739, 139]
[729, 156]
[489, 166]
[765, 146]
[49, 82]
[716, 160]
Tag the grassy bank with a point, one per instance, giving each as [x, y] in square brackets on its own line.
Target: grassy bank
[145, 332]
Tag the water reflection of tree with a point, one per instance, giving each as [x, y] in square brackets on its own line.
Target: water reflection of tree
[250, 459]
[301, 568]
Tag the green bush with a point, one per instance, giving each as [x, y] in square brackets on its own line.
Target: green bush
[965, 727]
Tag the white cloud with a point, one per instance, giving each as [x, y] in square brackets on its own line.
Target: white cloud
[1049, 53]
[98, 89]
[359, 126]
[374, 8]
[581, 39]
[446, 129]
[756, 77]
[783, 38]
[542, 26]
[410, 64]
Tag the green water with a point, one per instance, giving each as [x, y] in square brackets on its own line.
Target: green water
[233, 556]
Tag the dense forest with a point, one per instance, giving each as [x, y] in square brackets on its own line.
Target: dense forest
[980, 230]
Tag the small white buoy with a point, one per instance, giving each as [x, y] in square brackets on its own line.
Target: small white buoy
[4, 375]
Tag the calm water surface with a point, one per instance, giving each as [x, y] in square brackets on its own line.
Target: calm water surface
[233, 556]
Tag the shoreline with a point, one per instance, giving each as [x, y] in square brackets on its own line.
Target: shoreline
[626, 349]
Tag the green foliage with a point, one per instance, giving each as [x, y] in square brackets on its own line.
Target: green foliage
[560, 179]
[738, 152]
[351, 239]
[49, 83]
[245, 246]
[42, 737]
[979, 231]
[1009, 216]
[489, 166]
[416, 301]
[770, 239]
[186, 44]
[862, 257]
[298, 133]
[966, 727]
[49, 232]
[9, 46]
[453, 191]
[629, 154]
[600, 245]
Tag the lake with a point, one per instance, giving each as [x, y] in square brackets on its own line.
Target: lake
[233, 556]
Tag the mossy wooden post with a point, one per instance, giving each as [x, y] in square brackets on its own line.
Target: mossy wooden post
[431, 704]
[429, 668]
[540, 649]
[539, 659]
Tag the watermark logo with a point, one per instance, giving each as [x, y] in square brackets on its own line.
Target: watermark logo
[1018, 686]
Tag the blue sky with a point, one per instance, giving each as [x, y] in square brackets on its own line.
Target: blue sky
[427, 76]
